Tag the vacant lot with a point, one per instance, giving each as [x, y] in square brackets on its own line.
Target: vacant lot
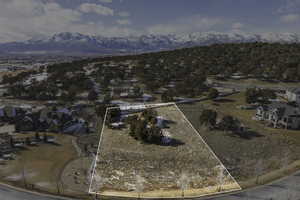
[263, 150]
[124, 161]
[41, 165]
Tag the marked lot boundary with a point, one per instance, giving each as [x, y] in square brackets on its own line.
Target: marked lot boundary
[96, 159]
[210, 149]
[149, 106]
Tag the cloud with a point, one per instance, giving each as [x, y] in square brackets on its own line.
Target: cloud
[186, 25]
[124, 14]
[124, 21]
[105, 1]
[289, 6]
[237, 25]
[290, 18]
[96, 8]
[26, 19]
[20, 20]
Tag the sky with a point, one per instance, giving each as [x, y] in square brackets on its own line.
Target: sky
[26, 19]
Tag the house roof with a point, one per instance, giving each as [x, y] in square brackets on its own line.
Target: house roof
[10, 111]
[294, 90]
[284, 109]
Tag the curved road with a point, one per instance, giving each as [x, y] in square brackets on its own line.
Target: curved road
[9, 193]
[285, 189]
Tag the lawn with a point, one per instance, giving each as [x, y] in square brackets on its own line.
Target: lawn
[122, 161]
[41, 165]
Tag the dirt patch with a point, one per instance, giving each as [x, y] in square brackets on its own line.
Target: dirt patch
[76, 176]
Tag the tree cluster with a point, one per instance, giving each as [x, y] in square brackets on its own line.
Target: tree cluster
[144, 128]
[255, 95]
[208, 118]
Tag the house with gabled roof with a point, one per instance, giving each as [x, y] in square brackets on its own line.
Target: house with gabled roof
[279, 115]
[293, 95]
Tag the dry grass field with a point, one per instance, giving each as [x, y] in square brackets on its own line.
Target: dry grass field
[264, 149]
[41, 165]
[123, 162]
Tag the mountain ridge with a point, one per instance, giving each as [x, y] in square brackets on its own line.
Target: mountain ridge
[73, 43]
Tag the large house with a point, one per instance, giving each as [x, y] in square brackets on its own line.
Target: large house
[293, 95]
[280, 115]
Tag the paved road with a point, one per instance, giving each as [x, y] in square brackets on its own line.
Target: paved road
[285, 189]
[11, 194]
[244, 86]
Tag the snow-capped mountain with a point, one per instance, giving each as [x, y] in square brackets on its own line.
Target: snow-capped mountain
[76, 43]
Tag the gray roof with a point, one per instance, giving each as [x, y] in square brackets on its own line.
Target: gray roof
[295, 90]
[10, 111]
[284, 109]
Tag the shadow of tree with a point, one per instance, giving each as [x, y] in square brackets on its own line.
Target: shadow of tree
[224, 100]
[173, 142]
[248, 135]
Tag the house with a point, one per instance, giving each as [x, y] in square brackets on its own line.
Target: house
[293, 95]
[6, 154]
[161, 90]
[7, 129]
[160, 122]
[238, 76]
[117, 125]
[76, 127]
[145, 98]
[10, 112]
[19, 142]
[279, 114]
[2, 112]
[25, 124]
[124, 95]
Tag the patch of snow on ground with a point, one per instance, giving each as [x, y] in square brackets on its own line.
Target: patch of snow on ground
[14, 177]
[43, 184]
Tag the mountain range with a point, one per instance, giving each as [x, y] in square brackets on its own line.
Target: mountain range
[75, 43]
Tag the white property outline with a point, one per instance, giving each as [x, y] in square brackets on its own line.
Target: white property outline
[147, 106]
[96, 159]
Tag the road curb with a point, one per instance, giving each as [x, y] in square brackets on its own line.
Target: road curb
[35, 192]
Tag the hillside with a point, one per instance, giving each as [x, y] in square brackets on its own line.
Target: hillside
[185, 69]
[75, 43]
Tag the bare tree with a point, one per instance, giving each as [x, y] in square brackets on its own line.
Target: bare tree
[139, 185]
[258, 170]
[98, 182]
[221, 177]
[183, 183]
[285, 160]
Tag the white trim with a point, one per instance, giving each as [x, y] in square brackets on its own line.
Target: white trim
[96, 159]
[240, 188]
